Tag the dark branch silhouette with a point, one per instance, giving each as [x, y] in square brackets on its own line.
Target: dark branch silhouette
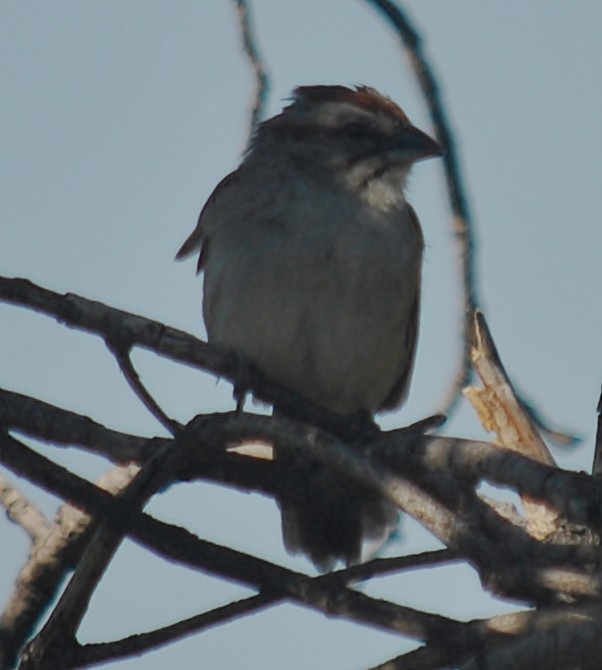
[262, 81]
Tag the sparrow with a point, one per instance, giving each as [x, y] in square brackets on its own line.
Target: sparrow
[312, 259]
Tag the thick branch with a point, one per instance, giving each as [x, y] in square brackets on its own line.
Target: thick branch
[576, 495]
[40, 420]
[122, 331]
[570, 638]
[444, 517]
[177, 544]
[511, 640]
[453, 515]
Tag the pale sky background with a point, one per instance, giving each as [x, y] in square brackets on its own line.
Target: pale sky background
[117, 120]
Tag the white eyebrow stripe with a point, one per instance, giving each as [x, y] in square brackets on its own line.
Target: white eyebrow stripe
[333, 114]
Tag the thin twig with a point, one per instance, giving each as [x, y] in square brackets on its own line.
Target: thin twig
[262, 82]
[426, 657]
[561, 438]
[135, 645]
[463, 224]
[597, 464]
[462, 220]
[384, 566]
[124, 361]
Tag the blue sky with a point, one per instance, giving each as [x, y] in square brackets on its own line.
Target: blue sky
[118, 119]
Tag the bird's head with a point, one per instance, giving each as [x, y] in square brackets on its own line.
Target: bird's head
[361, 134]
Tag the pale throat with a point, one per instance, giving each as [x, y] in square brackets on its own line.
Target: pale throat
[381, 192]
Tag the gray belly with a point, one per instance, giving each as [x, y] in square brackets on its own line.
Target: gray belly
[324, 316]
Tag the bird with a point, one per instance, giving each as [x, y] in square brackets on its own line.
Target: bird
[312, 262]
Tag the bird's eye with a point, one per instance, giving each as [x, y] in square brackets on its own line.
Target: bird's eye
[356, 129]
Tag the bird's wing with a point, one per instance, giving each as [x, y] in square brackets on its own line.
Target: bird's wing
[398, 393]
[400, 390]
[196, 240]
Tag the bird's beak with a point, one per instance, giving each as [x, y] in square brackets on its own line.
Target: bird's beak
[415, 144]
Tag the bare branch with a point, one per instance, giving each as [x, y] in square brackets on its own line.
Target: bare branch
[446, 517]
[116, 326]
[500, 395]
[125, 330]
[50, 559]
[497, 404]
[432, 479]
[561, 639]
[262, 82]
[124, 361]
[427, 490]
[462, 458]
[322, 593]
[449, 511]
[572, 493]
[22, 511]
[135, 645]
[41, 420]
[540, 572]
[561, 438]
[468, 460]
[55, 644]
[504, 638]
[500, 410]
[383, 566]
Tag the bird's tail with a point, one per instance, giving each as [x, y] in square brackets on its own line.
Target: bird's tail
[328, 517]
